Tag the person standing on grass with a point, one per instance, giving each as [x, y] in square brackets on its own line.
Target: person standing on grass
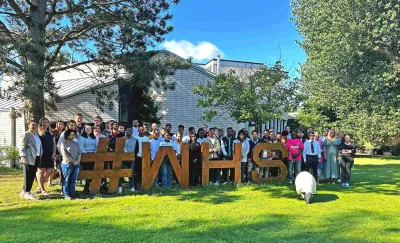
[178, 143]
[138, 162]
[87, 144]
[46, 165]
[195, 165]
[71, 154]
[245, 150]
[253, 142]
[312, 153]
[347, 152]
[215, 148]
[130, 147]
[321, 160]
[295, 148]
[154, 146]
[227, 154]
[30, 150]
[57, 133]
[331, 152]
[166, 167]
[324, 134]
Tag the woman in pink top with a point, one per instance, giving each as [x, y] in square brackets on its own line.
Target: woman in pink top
[295, 147]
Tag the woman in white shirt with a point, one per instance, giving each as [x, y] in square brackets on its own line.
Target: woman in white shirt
[245, 150]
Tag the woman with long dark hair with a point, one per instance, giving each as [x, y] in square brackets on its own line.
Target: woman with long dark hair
[46, 165]
[194, 161]
[57, 133]
[87, 144]
[245, 150]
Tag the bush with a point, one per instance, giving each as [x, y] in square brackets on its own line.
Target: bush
[8, 153]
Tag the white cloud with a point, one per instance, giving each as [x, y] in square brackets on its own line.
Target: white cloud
[202, 51]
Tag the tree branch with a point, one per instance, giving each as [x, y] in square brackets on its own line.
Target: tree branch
[14, 63]
[4, 27]
[19, 12]
[51, 15]
[79, 64]
[67, 37]
[9, 13]
[74, 10]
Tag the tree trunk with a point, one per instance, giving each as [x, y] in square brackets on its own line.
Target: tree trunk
[35, 71]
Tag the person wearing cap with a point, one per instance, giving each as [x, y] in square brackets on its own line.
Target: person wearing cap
[311, 154]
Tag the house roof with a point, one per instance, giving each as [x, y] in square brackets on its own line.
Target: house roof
[74, 82]
[227, 60]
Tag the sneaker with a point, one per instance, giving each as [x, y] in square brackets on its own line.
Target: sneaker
[338, 180]
[133, 189]
[68, 197]
[29, 196]
[22, 194]
[119, 190]
[216, 184]
[343, 184]
[347, 185]
[290, 182]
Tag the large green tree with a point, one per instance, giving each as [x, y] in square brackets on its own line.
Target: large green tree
[41, 37]
[353, 64]
[255, 95]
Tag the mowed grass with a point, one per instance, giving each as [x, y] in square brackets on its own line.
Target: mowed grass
[369, 211]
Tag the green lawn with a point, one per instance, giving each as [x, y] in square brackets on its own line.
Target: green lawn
[369, 211]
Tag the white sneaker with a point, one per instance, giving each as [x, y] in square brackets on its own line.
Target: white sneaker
[119, 190]
[22, 194]
[216, 184]
[338, 180]
[133, 189]
[29, 196]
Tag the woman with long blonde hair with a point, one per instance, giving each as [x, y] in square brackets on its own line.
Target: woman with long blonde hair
[46, 165]
[331, 152]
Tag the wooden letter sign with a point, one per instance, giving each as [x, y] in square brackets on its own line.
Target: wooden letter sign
[269, 163]
[150, 171]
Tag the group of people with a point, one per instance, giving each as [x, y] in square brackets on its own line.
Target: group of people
[42, 149]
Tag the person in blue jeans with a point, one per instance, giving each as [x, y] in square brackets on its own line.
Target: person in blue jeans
[70, 165]
[166, 167]
[131, 146]
[295, 148]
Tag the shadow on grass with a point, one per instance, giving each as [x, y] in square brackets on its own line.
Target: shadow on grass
[39, 224]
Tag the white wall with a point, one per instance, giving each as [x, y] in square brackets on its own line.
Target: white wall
[179, 106]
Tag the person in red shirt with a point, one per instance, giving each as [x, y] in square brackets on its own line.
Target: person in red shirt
[295, 147]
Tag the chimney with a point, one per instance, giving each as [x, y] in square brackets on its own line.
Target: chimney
[218, 63]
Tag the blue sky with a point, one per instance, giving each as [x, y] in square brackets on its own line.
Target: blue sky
[252, 30]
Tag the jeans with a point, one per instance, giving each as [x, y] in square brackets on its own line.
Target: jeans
[346, 163]
[126, 165]
[312, 162]
[70, 174]
[166, 173]
[293, 165]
